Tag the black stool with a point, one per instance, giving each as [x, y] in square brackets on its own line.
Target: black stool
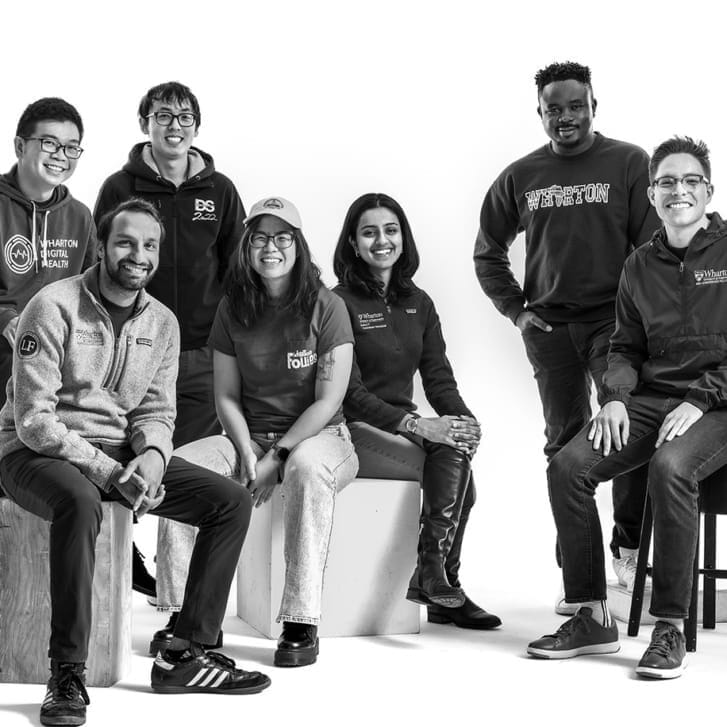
[712, 502]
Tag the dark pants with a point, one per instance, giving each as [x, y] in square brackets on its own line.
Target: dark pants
[566, 362]
[57, 491]
[675, 470]
[6, 367]
[196, 415]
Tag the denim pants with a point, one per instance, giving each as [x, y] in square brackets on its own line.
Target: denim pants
[58, 492]
[316, 470]
[674, 471]
[566, 362]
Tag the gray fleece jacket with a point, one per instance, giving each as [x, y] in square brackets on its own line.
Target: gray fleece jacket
[75, 385]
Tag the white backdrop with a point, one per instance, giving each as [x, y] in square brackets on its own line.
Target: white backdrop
[322, 101]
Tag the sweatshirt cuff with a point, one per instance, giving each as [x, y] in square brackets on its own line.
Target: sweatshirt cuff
[153, 437]
[703, 406]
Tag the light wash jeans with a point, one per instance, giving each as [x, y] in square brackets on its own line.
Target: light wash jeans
[316, 470]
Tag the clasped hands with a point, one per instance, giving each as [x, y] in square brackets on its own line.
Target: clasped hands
[260, 476]
[461, 432]
[140, 481]
[610, 427]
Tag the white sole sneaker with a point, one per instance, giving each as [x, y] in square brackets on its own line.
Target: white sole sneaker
[652, 673]
[610, 648]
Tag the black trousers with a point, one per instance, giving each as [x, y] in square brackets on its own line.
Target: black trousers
[58, 492]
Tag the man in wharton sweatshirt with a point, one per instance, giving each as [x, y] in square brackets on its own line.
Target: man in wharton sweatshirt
[581, 201]
[45, 234]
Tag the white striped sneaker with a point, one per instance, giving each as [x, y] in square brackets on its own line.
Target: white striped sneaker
[200, 671]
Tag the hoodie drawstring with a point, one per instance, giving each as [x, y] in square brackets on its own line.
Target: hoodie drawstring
[45, 239]
[33, 235]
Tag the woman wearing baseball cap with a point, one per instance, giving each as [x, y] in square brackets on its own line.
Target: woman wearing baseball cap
[397, 332]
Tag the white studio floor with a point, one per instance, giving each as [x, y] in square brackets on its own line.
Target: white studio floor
[442, 676]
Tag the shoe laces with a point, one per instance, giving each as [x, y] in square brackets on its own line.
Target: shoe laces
[569, 626]
[663, 641]
[67, 684]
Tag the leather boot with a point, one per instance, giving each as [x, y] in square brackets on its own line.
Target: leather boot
[162, 638]
[469, 615]
[444, 484]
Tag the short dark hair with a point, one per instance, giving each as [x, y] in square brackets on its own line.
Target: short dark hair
[133, 204]
[353, 271]
[563, 72]
[49, 108]
[172, 91]
[680, 145]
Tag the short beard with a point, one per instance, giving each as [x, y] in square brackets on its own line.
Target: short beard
[121, 281]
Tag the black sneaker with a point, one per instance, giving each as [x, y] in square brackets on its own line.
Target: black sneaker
[66, 699]
[141, 580]
[200, 671]
[163, 638]
[666, 656]
[297, 645]
[579, 635]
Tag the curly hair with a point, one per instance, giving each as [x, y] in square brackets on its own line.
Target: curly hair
[563, 72]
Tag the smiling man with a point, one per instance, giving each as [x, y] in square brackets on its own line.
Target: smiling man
[581, 201]
[82, 425]
[663, 403]
[45, 234]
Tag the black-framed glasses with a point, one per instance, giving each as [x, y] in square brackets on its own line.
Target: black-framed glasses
[689, 181]
[51, 146]
[165, 118]
[281, 240]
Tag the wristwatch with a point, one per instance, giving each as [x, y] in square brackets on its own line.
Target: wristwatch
[411, 424]
[281, 453]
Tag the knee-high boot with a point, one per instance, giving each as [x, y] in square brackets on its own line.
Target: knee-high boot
[469, 615]
[444, 484]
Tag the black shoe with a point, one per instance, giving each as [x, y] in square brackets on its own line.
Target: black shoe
[66, 699]
[579, 635]
[665, 657]
[163, 638]
[197, 671]
[297, 645]
[468, 616]
[141, 579]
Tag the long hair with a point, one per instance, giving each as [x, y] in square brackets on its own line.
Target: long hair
[246, 291]
[353, 272]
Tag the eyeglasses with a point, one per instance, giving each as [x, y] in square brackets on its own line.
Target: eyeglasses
[689, 181]
[51, 146]
[281, 240]
[165, 118]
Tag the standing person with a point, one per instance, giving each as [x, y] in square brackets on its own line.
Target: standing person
[375, 260]
[663, 403]
[83, 424]
[203, 216]
[282, 347]
[581, 201]
[45, 234]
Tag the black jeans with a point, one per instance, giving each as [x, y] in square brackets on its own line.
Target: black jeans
[675, 470]
[58, 492]
[566, 362]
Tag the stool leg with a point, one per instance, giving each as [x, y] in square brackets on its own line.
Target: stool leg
[690, 624]
[637, 598]
[709, 596]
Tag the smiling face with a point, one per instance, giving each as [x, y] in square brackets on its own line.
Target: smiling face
[40, 172]
[379, 241]
[130, 256]
[272, 264]
[682, 208]
[567, 109]
[173, 141]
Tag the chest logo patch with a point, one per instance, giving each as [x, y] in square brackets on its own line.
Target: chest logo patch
[89, 338]
[710, 276]
[204, 210]
[18, 253]
[28, 346]
[371, 321]
[143, 342]
[301, 359]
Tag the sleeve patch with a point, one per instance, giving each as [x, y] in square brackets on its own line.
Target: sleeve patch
[28, 345]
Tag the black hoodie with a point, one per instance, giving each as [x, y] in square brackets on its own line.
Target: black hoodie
[203, 220]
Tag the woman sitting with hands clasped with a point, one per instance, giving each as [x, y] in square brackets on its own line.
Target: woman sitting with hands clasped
[397, 332]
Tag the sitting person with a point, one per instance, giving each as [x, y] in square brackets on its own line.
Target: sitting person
[282, 350]
[84, 424]
[663, 402]
[375, 260]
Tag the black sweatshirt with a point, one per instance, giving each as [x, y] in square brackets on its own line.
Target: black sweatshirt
[392, 342]
[582, 216]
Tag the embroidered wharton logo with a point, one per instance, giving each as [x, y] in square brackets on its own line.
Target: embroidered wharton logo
[204, 209]
[301, 359]
[710, 276]
[86, 337]
[28, 345]
[18, 254]
[557, 196]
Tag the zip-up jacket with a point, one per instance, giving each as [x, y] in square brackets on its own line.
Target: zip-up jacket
[393, 341]
[76, 385]
[203, 219]
[671, 321]
[39, 245]
[582, 216]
